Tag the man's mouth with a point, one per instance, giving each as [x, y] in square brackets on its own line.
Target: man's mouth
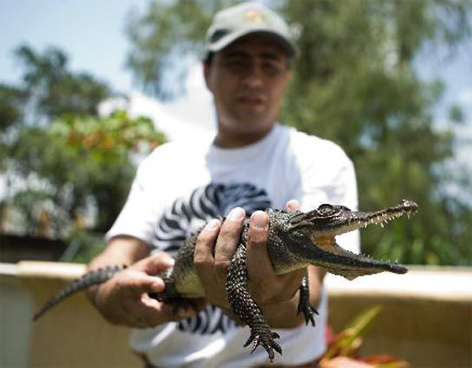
[251, 100]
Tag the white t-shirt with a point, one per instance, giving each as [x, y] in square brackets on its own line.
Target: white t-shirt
[183, 184]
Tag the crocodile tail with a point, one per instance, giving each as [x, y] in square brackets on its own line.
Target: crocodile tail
[91, 278]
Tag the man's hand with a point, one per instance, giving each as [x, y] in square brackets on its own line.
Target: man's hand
[275, 294]
[125, 299]
[215, 247]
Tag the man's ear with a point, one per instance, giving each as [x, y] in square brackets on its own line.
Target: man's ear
[289, 76]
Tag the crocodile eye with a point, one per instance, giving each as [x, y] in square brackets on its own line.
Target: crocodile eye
[325, 209]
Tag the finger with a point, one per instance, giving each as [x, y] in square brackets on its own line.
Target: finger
[155, 264]
[135, 282]
[203, 257]
[169, 312]
[292, 205]
[153, 312]
[228, 240]
[258, 262]
[148, 312]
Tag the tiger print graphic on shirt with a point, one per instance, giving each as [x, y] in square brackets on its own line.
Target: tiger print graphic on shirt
[188, 214]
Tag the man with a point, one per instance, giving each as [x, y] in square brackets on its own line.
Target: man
[252, 163]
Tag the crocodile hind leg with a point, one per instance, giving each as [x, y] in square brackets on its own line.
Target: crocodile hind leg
[246, 308]
[304, 305]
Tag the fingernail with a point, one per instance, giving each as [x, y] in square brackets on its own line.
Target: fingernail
[293, 205]
[169, 262]
[212, 225]
[236, 214]
[259, 220]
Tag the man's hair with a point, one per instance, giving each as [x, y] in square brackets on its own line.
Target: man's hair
[208, 59]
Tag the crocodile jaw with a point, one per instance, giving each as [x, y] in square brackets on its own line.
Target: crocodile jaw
[350, 265]
[323, 251]
[345, 220]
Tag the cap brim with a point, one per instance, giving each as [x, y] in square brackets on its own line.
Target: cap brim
[225, 41]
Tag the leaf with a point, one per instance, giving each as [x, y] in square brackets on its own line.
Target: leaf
[348, 341]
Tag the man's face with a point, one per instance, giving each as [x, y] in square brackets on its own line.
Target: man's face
[247, 80]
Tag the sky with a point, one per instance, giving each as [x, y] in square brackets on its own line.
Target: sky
[92, 32]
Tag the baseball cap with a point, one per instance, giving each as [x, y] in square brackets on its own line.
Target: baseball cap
[247, 18]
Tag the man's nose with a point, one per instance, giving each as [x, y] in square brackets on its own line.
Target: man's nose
[253, 76]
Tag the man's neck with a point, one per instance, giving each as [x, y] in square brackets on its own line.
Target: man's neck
[237, 140]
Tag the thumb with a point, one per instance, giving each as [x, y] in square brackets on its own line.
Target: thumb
[258, 262]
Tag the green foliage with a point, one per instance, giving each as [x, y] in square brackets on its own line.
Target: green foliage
[78, 162]
[53, 89]
[11, 99]
[84, 245]
[107, 138]
[359, 88]
[61, 158]
[169, 31]
[354, 83]
[346, 343]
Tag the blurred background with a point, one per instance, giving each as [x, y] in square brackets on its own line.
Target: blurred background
[89, 88]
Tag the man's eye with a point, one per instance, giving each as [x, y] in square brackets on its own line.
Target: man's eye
[237, 64]
[269, 67]
[272, 68]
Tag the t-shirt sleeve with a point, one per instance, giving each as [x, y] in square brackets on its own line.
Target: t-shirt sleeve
[328, 176]
[141, 211]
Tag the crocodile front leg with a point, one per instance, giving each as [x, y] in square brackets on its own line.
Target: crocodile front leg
[246, 308]
[304, 305]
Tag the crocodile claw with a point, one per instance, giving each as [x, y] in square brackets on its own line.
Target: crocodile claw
[267, 341]
[309, 313]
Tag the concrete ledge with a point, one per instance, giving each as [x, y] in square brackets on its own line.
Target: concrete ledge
[74, 335]
[50, 270]
[426, 318]
[434, 283]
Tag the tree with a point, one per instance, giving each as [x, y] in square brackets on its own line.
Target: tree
[168, 33]
[362, 54]
[53, 90]
[355, 84]
[63, 161]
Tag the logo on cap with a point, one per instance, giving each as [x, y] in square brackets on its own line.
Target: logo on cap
[255, 16]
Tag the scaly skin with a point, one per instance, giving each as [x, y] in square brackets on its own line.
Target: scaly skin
[89, 279]
[296, 240]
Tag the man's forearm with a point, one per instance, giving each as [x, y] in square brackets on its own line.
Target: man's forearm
[124, 250]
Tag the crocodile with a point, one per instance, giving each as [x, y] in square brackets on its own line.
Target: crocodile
[296, 240]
